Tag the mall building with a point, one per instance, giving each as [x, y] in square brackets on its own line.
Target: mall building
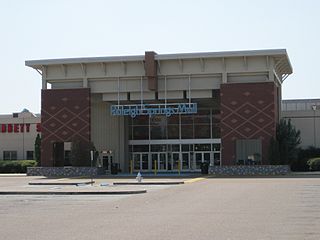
[163, 111]
[18, 132]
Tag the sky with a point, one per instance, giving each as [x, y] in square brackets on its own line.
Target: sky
[38, 29]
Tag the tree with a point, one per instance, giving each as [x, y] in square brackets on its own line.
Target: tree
[37, 149]
[284, 148]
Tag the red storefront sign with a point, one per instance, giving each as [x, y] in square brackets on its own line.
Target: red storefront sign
[19, 127]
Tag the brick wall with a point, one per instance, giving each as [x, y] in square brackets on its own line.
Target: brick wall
[248, 111]
[65, 115]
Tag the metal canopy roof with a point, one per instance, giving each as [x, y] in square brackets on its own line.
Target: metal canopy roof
[280, 56]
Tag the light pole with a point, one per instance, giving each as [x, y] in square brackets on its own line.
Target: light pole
[314, 108]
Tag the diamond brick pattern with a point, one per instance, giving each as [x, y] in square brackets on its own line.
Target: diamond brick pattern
[253, 117]
[65, 116]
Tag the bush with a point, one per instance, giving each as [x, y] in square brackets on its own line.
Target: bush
[301, 164]
[314, 164]
[16, 166]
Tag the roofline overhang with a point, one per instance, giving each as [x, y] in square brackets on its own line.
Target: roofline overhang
[282, 53]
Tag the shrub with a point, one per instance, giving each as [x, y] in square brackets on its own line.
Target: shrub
[16, 166]
[314, 164]
[303, 156]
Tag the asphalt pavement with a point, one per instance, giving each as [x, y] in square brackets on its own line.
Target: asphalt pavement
[202, 208]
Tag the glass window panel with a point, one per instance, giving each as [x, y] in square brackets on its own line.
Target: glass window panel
[216, 118]
[158, 120]
[136, 161]
[216, 157]
[202, 147]
[216, 147]
[158, 132]
[187, 131]
[140, 120]
[173, 119]
[130, 132]
[198, 160]
[173, 132]
[185, 147]
[203, 116]
[216, 131]
[140, 133]
[201, 131]
[140, 148]
[176, 148]
[6, 155]
[186, 119]
[158, 148]
[145, 161]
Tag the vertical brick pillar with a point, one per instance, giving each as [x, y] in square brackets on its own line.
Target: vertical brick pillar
[248, 111]
[65, 116]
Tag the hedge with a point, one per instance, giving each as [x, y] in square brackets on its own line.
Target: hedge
[314, 164]
[16, 166]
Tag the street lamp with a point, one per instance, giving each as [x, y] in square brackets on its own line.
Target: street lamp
[314, 108]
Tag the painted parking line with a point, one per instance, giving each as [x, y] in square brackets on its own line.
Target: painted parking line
[194, 180]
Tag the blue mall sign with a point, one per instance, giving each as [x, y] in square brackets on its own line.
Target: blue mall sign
[154, 109]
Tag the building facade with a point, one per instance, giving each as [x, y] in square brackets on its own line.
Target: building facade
[163, 111]
[18, 134]
[305, 116]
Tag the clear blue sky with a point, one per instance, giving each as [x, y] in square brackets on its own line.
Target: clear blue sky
[37, 29]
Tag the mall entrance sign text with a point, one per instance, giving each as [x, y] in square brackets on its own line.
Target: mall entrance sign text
[154, 109]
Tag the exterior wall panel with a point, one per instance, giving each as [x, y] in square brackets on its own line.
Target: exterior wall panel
[65, 116]
[248, 111]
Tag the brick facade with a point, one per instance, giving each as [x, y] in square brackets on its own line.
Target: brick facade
[65, 116]
[248, 111]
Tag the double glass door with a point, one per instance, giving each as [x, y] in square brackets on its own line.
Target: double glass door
[173, 161]
[141, 161]
[201, 157]
[159, 161]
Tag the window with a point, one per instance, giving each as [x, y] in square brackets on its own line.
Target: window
[30, 155]
[9, 155]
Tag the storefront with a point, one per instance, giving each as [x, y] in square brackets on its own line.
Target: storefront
[164, 112]
[18, 132]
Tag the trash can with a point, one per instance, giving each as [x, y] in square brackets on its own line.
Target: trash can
[204, 168]
[114, 168]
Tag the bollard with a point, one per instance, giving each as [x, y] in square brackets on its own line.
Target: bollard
[131, 166]
[155, 167]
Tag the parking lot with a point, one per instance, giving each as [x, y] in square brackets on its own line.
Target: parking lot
[212, 208]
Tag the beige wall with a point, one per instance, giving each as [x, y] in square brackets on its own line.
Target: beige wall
[108, 132]
[18, 141]
[308, 122]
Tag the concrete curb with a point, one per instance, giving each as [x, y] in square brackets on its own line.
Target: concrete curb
[72, 192]
[61, 183]
[148, 183]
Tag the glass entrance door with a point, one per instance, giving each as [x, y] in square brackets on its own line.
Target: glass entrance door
[159, 160]
[175, 161]
[185, 161]
[201, 157]
[140, 161]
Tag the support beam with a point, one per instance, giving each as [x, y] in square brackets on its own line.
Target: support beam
[124, 67]
[104, 68]
[44, 77]
[83, 69]
[159, 66]
[224, 71]
[245, 62]
[181, 65]
[64, 69]
[202, 64]
[85, 82]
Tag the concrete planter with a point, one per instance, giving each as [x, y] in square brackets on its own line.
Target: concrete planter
[63, 171]
[254, 170]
